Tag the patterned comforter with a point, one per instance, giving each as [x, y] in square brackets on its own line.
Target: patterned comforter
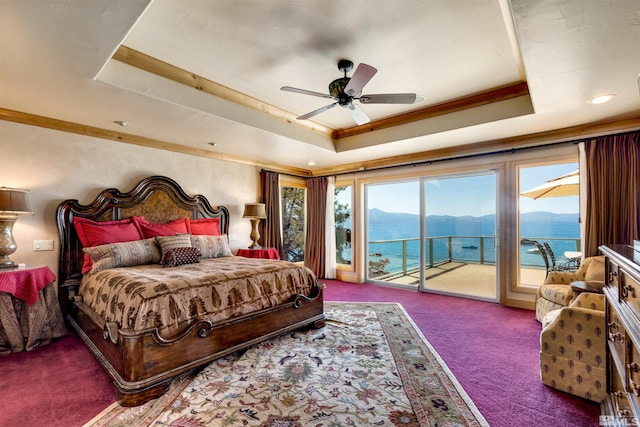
[215, 289]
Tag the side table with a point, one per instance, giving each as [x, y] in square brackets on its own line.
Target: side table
[264, 253]
[30, 314]
[593, 287]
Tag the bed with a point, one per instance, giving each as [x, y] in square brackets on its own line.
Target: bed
[147, 323]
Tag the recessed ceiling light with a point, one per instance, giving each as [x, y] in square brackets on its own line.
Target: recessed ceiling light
[213, 144]
[601, 99]
[311, 163]
[121, 123]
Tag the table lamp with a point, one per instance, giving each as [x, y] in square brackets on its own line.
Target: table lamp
[13, 202]
[255, 212]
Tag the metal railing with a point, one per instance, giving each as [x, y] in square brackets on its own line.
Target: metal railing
[404, 254]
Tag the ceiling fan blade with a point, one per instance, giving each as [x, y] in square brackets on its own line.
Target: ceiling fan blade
[389, 98]
[305, 92]
[360, 77]
[357, 114]
[316, 112]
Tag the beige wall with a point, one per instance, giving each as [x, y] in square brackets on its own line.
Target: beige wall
[56, 166]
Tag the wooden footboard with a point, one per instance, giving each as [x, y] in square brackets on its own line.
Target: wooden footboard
[142, 364]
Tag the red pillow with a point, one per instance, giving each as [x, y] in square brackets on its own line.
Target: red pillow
[152, 229]
[92, 233]
[208, 226]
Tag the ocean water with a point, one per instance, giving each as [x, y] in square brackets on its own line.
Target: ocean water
[469, 239]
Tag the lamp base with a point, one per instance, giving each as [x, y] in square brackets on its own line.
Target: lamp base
[7, 263]
[255, 234]
[7, 244]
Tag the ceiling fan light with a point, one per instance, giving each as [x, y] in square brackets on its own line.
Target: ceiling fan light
[601, 99]
[336, 87]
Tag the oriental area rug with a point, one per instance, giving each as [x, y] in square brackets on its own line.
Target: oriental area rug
[369, 366]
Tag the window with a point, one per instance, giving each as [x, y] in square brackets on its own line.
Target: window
[342, 217]
[293, 201]
[547, 216]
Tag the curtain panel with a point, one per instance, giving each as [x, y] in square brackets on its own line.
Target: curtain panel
[314, 252]
[270, 227]
[613, 191]
[330, 237]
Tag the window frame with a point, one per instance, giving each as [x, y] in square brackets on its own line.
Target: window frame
[349, 267]
[515, 285]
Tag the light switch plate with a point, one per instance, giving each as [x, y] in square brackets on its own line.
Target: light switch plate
[43, 245]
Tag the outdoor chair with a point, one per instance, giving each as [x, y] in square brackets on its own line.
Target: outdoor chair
[549, 258]
[559, 266]
[542, 251]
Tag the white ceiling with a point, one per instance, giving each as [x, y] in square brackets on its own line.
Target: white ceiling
[55, 62]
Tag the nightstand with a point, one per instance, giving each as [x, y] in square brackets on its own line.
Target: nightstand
[264, 253]
[30, 313]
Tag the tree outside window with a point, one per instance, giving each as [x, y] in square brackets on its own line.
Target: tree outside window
[293, 222]
[342, 218]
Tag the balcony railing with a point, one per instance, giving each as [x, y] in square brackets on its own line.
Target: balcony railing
[404, 254]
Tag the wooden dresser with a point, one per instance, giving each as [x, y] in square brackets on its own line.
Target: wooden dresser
[622, 291]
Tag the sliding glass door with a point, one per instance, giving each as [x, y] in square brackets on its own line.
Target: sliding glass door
[393, 233]
[434, 234]
[460, 235]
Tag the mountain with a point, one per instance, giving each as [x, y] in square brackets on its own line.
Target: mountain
[390, 225]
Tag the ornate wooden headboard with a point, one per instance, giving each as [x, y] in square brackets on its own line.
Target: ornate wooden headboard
[157, 198]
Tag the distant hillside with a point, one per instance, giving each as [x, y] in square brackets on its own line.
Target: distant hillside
[387, 225]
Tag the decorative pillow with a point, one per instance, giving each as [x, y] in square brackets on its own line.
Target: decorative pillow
[212, 246]
[171, 242]
[595, 270]
[126, 254]
[92, 233]
[205, 226]
[152, 229]
[180, 256]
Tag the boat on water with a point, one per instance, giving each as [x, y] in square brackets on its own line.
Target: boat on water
[469, 247]
[533, 251]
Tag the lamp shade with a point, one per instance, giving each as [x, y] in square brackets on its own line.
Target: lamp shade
[14, 201]
[254, 210]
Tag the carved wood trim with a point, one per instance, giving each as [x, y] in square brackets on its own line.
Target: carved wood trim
[483, 98]
[152, 65]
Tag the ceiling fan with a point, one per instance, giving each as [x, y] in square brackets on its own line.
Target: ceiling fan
[347, 89]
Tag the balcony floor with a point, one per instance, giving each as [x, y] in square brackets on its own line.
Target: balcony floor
[470, 280]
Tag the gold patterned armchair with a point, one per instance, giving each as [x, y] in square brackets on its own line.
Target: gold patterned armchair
[556, 292]
[572, 348]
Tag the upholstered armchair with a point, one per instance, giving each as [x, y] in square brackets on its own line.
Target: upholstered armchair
[572, 348]
[556, 292]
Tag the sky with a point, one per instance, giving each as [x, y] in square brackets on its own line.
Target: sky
[473, 195]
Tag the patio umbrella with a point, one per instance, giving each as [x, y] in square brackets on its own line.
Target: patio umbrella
[565, 185]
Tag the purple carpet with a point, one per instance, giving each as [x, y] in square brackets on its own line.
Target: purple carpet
[492, 350]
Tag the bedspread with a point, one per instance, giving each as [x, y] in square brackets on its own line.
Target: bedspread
[215, 289]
